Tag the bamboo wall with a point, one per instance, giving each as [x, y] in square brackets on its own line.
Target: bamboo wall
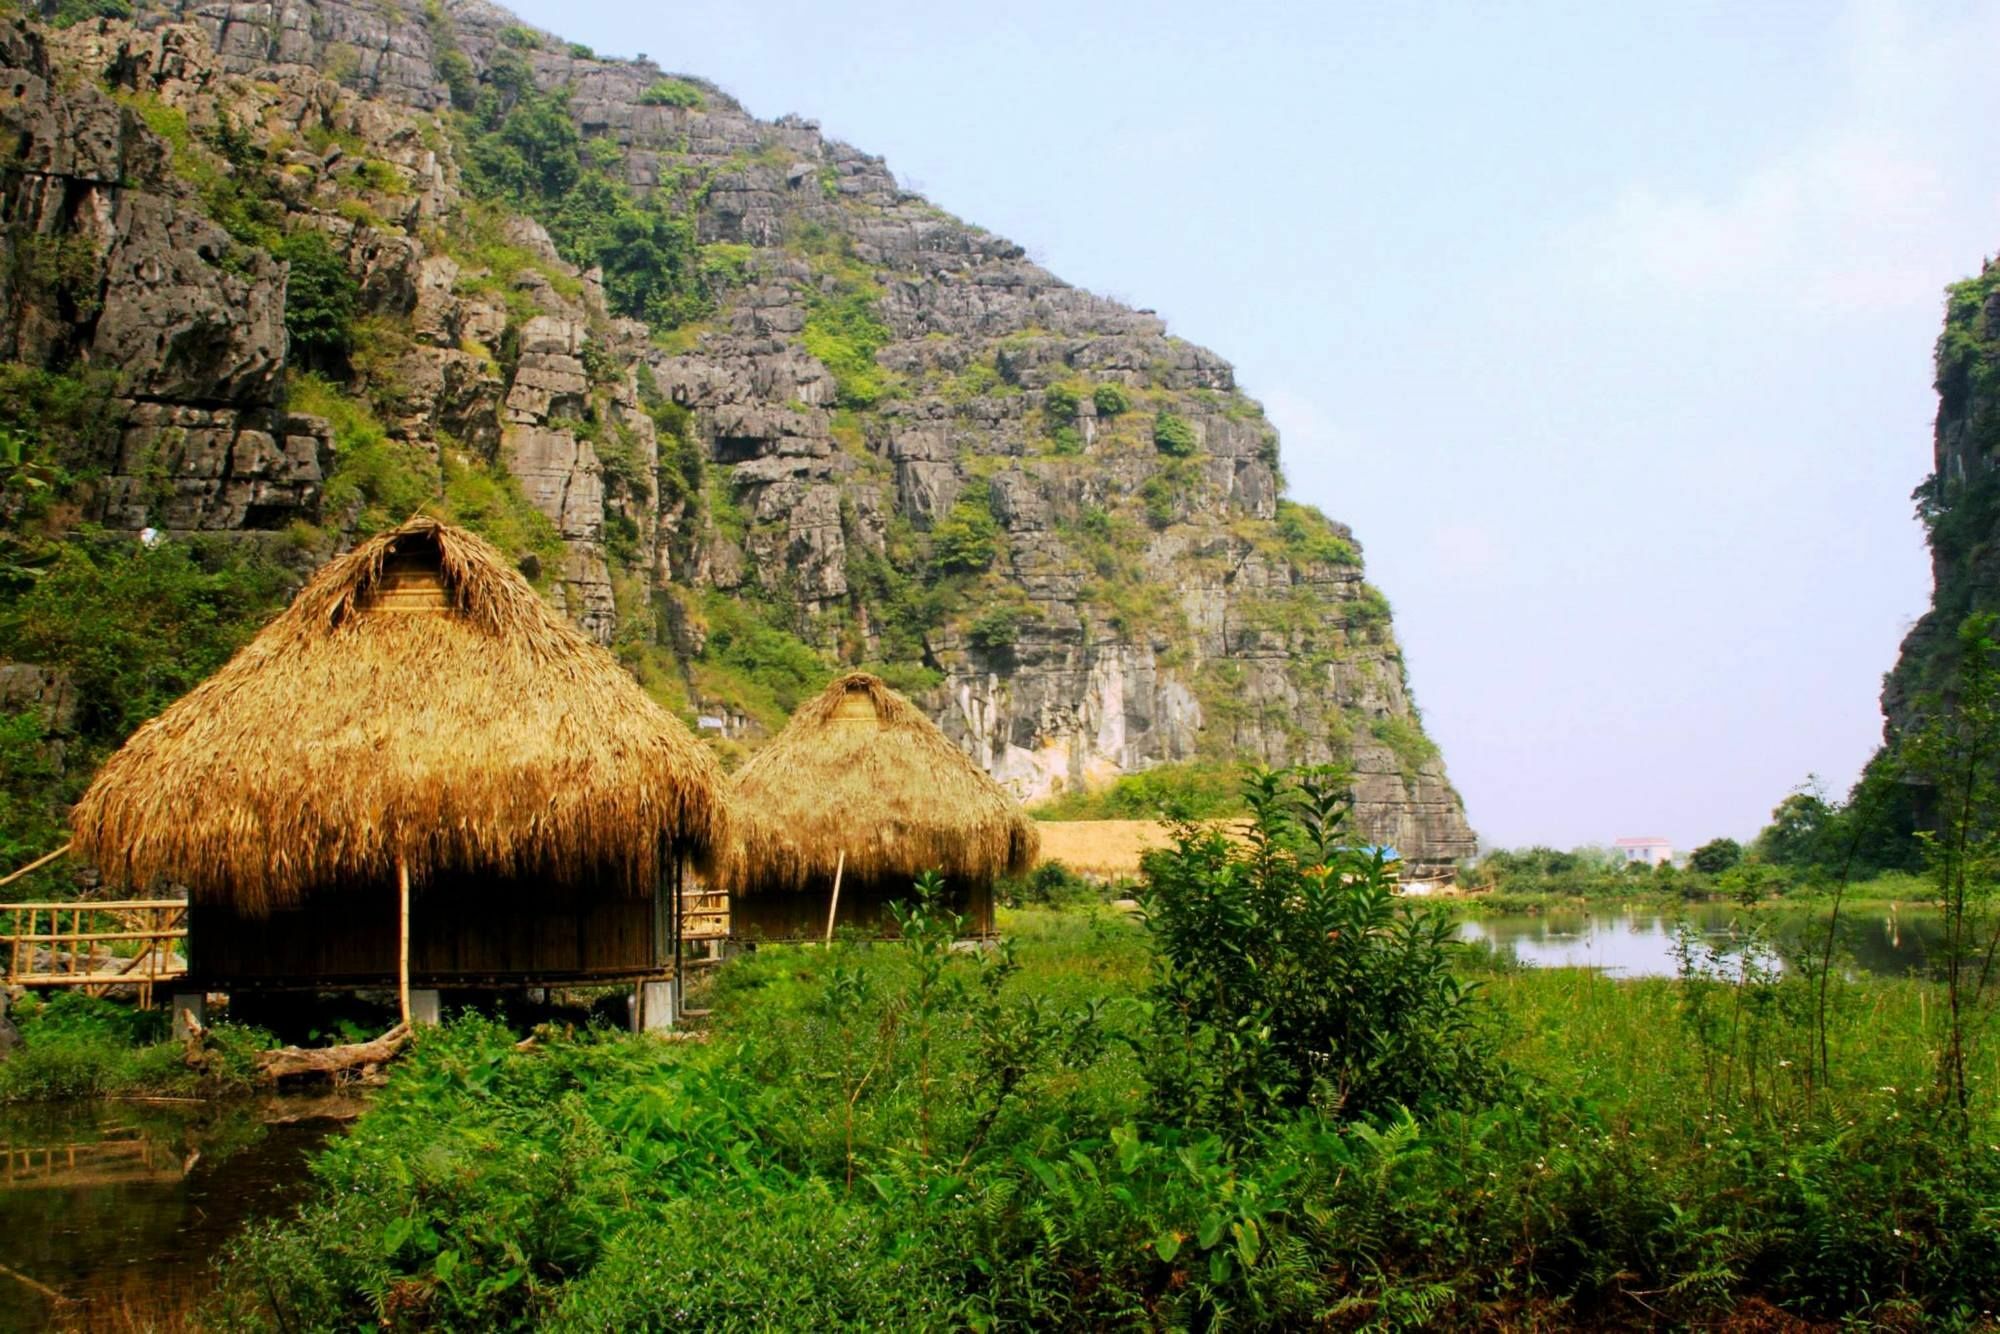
[864, 908]
[460, 935]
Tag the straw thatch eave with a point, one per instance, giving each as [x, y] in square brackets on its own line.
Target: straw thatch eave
[488, 737]
[892, 794]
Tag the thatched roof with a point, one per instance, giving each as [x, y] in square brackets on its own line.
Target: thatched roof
[418, 697]
[861, 770]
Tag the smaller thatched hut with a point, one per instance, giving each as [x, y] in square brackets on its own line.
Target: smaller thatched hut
[419, 770]
[862, 788]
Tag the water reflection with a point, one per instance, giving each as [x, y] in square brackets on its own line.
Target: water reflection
[1639, 942]
[111, 1213]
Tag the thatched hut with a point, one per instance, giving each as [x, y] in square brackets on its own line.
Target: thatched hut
[419, 744]
[861, 789]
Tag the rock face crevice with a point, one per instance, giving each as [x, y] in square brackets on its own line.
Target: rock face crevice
[1128, 586]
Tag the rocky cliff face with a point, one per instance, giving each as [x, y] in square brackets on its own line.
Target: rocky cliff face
[1960, 501]
[873, 433]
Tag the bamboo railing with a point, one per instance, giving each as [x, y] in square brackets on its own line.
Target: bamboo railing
[95, 946]
[704, 915]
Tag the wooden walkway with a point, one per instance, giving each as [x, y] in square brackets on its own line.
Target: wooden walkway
[95, 946]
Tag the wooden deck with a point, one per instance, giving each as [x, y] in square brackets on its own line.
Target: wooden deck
[95, 946]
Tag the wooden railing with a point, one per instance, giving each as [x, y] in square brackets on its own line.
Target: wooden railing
[118, 1157]
[704, 915]
[96, 946]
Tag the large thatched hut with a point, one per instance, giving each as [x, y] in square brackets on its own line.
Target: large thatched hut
[861, 788]
[418, 765]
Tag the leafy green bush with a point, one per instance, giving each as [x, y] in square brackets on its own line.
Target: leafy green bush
[1110, 400]
[68, 13]
[1312, 537]
[1049, 885]
[1000, 625]
[967, 540]
[137, 627]
[751, 660]
[1291, 975]
[1060, 404]
[844, 332]
[1174, 436]
[77, 1046]
[320, 299]
[671, 93]
[1165, 494]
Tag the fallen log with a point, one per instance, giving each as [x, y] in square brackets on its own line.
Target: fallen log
[290, 1062]
[362, 1059]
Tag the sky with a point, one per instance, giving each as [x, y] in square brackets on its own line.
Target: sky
[1607, 327]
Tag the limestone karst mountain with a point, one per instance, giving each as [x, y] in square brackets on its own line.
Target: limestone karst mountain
[1960, 500]
[745, 407]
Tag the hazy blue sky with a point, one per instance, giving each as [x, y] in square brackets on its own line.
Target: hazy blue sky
[1608, 331]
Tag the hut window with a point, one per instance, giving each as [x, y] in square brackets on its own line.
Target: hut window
[411, 582]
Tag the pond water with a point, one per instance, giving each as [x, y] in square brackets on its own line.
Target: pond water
[1629, 941]
[112, 1212]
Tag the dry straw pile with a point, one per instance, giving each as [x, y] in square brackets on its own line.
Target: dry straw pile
[861, 771]
[418, 699]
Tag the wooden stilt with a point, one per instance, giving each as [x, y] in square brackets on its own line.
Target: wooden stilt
[833, 906]
[403, 944]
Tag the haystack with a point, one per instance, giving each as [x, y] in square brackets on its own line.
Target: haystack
[418, 703]
[860, 779]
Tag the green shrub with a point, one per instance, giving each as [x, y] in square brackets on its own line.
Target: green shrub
[77, 1046]
[1000, 625]
[1290, 975]
[844, 332]
[1166, 493]
[1060, 404]
[967, 540]
[1311, 538]
[1174, 436]
[68, 13]
[1111, 400]
[753, 661]
[1048, 885]
[671, 93]
[136, 627]
[320, 299]
[1406, 741]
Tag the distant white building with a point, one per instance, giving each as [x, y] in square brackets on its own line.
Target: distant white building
[1643, 851]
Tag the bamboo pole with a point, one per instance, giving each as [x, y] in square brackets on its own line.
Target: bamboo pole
[403, 941]
[833, 905]
[34, 865]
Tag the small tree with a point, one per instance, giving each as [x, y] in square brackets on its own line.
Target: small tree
[1290, 974]
[1797, 829]
[1716, 856]
[1173, 436]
